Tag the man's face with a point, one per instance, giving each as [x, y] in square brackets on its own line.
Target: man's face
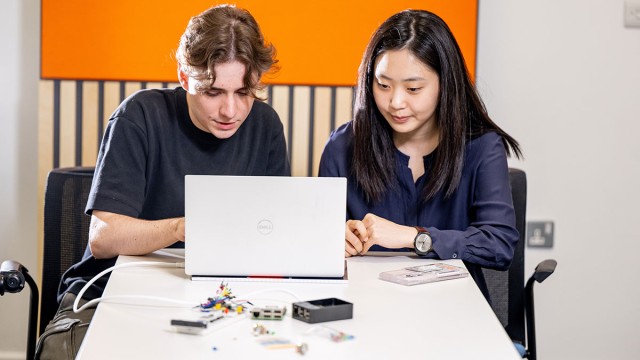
[219, 108]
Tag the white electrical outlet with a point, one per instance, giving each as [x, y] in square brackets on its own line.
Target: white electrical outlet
[632, 13]
[540, 234]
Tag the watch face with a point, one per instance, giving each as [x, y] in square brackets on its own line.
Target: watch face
[422, 243]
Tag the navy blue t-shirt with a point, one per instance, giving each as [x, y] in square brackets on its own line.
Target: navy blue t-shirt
[475, 224]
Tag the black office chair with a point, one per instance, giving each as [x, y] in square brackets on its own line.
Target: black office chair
[511, 300]
[66, 231]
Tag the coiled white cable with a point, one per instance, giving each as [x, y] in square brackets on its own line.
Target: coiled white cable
[120, 266]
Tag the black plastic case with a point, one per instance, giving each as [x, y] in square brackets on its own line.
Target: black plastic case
[316, 311]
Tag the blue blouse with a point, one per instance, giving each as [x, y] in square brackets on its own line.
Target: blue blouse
[475, 224]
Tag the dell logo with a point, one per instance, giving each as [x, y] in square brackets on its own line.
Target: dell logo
[265, 227]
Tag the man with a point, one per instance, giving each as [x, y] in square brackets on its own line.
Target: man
[210, 125]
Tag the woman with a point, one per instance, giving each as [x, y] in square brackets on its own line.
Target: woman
[426, 166]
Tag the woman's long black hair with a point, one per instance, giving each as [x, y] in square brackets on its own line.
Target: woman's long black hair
[460, 114]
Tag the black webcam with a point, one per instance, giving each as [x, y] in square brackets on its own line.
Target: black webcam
[11, 277]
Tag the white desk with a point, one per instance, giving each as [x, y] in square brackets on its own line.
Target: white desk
[445, 320]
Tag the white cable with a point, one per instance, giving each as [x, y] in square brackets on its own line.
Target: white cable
[188, 304]
[120, 266]
[168, 254]
[151, 264]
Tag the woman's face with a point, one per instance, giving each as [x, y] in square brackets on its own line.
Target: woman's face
[406, 92]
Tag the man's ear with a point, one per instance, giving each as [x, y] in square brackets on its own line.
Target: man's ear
[183, 79]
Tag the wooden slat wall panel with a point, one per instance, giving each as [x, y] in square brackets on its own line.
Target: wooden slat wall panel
[280, 103]
[111, 100]
[67, 123]
[321, 125]
[45, 128]
[45, 149]
[344, 105]
[131, 87]
[89, 123]
[74, 114]
[154, 85]
[300, 133]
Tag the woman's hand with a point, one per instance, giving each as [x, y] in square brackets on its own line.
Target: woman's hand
[355, 234]
[383, 232]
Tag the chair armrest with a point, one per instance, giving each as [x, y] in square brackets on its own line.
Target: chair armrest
[544, 270]
[540, 274]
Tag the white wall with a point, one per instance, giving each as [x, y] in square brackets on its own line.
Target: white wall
[19, 61]
[563, 77]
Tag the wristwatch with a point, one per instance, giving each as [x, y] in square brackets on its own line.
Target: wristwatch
[422, 243]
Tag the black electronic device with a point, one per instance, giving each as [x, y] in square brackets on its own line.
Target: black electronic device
[198, 325]
[315, 311]
[11, 277]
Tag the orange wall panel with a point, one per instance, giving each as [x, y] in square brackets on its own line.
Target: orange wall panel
[318, 42]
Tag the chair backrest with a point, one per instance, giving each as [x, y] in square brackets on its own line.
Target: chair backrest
[506, 288]
[66, 231]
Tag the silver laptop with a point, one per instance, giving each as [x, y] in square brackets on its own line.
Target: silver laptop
[258, 226]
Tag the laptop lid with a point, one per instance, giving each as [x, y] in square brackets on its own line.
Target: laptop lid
[264, 226]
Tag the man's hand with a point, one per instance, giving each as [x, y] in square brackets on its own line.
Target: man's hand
[113, 234]
[177, 224]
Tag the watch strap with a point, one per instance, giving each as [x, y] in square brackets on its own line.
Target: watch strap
[421, 229]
